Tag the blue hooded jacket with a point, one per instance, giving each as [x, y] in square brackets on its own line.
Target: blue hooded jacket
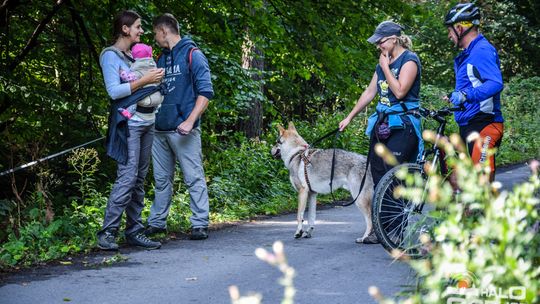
[184, 83]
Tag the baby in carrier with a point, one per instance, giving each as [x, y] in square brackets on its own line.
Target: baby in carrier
[144, 62]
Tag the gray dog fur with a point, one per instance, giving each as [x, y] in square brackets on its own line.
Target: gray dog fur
[348, 172]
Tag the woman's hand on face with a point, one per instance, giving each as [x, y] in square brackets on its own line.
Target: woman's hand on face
[384, 59]
[154, 76]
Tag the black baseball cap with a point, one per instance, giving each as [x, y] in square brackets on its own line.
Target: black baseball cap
[385, 29]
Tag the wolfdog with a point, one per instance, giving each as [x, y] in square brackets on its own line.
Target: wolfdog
[309, 173]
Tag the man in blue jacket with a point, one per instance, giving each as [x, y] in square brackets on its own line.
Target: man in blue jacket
[178, 132]
[478, 83]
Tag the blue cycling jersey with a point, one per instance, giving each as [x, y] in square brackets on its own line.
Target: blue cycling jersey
[478, 76]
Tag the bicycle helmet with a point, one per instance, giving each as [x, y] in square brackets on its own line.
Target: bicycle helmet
[463, 12]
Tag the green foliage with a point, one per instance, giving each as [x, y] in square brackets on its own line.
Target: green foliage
[37, 241]
[511, 26]
[74, 230]
[430, 42]
[514, 34]
[487, 240]
[84, 163]
[520, 101]
[316, 61]
[235, 88]
[431, 98]
[246, 181]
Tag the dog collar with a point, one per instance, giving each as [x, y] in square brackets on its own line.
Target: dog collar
[294, 155]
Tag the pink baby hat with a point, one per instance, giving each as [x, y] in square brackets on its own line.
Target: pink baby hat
[141, 50]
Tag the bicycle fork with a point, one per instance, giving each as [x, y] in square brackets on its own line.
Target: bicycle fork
[438, 154]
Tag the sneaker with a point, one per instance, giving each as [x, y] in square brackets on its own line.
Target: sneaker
[107, 240]
[151, 230]
[199, 233]
[140, 240]
[371, 239]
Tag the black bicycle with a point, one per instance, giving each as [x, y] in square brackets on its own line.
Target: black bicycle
[399, 222]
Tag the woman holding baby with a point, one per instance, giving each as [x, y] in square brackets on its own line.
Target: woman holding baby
[129, 141]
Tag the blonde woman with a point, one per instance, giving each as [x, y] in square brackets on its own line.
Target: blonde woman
[396, 81]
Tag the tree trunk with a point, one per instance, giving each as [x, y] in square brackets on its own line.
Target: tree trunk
[252, 60]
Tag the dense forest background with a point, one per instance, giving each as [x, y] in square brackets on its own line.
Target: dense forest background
[272, 62]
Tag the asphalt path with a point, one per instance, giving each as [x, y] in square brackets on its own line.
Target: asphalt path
[330, 267]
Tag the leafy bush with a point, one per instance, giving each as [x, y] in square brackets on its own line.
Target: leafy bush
[520, 101]
[74, 230]
[247, 181]
[243, 179]
[487, 246]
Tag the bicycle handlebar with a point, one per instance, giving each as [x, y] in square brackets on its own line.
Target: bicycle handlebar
[446, 111]
[439, 115]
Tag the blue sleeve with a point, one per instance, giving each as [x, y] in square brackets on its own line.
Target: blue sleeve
[486, 63]
[201, 72]
[110, 65]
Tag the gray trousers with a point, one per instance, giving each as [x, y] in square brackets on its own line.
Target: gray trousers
[128, 190]
[167, 149]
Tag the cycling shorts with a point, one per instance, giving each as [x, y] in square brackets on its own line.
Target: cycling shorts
[491, 137]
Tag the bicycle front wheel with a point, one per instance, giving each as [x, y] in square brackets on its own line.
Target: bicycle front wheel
[399, 222]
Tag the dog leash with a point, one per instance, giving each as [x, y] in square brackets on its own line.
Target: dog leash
[333, 163]
[337, 133]
[325, 136]
[305, 158]
[368, 156]
[368, 159]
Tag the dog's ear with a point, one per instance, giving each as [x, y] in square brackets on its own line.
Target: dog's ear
[291, 126]
[281, 129]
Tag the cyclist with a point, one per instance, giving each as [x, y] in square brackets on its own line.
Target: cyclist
[478, 83]
[397, 82]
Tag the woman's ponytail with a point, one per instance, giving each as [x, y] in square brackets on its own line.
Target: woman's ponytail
[405, 41]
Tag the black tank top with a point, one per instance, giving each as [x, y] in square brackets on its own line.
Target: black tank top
[386, 96]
